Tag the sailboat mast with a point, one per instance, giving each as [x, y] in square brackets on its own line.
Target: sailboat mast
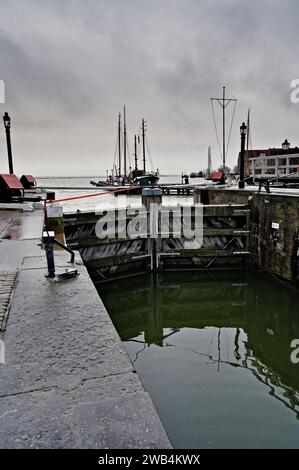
[248, 131]
[119, 146]
[209, 160]
[223, 102]
[135, 152]
[125, 143]
[223, 127]
[143, 144]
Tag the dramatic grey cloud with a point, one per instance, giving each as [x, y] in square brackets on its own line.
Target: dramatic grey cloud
[69, 66]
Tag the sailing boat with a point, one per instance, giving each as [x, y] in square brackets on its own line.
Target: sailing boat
[120, 176]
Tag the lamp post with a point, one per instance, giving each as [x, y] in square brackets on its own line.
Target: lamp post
[6, 120]
[243, 130]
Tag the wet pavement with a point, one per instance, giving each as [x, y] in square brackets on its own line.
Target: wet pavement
[7, 280]
[66, 379]
[5, 218]
[20, 236]
[21, 226]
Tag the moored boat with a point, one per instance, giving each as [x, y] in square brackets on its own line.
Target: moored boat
[121, 175]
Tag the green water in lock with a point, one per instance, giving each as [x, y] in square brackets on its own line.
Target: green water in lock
[214, 352]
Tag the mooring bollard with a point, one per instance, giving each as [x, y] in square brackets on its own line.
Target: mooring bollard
[48, 239]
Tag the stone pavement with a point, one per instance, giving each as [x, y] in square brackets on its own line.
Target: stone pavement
[5, 218]
[67, 381]
[7, 280]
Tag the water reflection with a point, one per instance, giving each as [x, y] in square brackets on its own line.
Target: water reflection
[230, 322]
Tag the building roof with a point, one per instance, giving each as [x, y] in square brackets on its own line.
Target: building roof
[30, 178]
[217, 175]
[10, 181]
[270, 152]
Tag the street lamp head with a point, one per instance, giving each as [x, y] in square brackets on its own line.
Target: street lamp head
[243, 129]
[6, 120]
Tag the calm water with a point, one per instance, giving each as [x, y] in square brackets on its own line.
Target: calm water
[213, 350]
[104, 200]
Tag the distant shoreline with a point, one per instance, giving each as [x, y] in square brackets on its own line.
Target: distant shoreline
[90, 176]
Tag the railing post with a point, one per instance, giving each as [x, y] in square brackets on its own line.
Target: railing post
[253, 169]
[276, 168]
[263, 168]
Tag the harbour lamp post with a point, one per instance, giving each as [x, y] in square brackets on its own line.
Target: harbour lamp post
[6, 120]
[243, 129]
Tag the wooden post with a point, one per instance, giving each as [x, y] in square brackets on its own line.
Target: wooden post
[55, 221]
[150, 198]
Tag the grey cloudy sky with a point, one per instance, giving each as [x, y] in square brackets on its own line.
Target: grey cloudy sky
[70, 65]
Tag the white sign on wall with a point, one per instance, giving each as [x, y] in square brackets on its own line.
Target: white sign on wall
[54, 210]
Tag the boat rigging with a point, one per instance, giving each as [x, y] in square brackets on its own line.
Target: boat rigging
[129, 177]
